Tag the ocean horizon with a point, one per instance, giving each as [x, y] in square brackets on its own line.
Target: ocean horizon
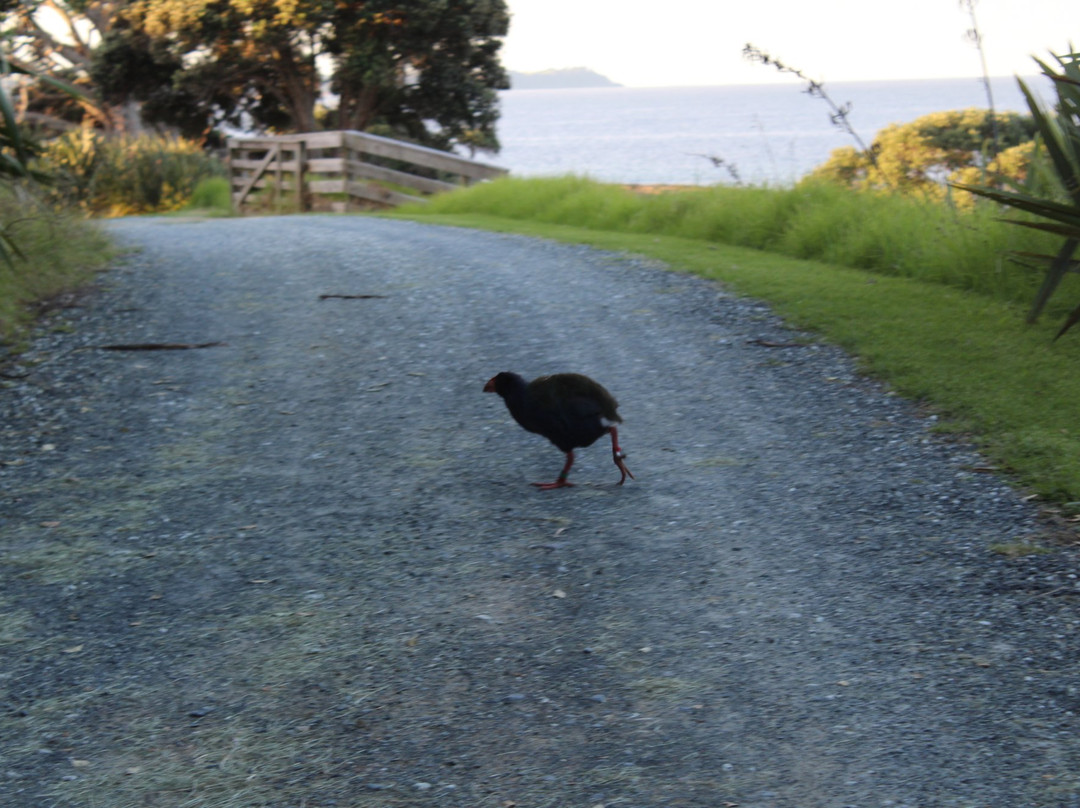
[768, 134]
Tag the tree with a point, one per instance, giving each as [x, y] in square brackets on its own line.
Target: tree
[426, 70]
[129, 68]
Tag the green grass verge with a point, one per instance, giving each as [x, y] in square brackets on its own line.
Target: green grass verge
[1005, 383]
[886, 234]
[60, 253]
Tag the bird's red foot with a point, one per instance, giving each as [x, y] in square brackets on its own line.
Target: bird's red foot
[622, 467]
[560, 483]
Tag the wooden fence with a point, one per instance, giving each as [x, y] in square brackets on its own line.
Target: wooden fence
[341, 170]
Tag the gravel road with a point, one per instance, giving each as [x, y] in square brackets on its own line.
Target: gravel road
[305, 566]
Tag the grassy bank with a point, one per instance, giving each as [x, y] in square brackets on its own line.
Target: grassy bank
[957, 341]
[884, 234]
[60, 252]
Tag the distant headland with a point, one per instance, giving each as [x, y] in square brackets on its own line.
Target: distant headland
[559, 79]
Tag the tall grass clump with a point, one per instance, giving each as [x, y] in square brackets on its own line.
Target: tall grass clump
[553, 199]
[41, 253]
[879, 232]
[212, 194]
[57, 253]
[746, 217]
[908, 236]
[104, 175]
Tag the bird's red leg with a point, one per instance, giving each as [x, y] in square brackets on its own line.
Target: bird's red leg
[617, 453]
[561, 482]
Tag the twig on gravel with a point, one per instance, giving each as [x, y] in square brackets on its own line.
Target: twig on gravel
[351, 297]
[764, 343]
[160, 346]
[1059, 591]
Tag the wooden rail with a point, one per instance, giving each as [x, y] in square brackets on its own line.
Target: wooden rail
[342, 170]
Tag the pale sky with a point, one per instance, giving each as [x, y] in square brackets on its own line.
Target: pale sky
[699, 42]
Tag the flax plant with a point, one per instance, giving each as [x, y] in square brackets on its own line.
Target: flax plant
[15, 156]
[1058, 213]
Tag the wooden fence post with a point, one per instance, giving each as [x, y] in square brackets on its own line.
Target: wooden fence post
[278, 177]
[301, 175]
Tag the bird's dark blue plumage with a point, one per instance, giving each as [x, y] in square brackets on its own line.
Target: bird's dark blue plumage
[569, 409]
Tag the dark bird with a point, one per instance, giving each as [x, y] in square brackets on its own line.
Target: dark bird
[570, 410]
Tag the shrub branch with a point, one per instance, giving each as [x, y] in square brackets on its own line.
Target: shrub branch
[816, 89]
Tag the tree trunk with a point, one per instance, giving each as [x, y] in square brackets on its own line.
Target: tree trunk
[299, 88]
[357, 107]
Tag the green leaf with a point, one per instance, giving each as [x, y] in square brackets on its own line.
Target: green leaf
[11, 135]
[1018, 257]
[1058, 269]
[1060, 136]
[1048, 208]
[1070, 321]
[1047, 227]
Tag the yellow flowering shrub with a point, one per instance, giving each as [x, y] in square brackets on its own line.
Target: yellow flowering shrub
[106, 175]
[921, 157]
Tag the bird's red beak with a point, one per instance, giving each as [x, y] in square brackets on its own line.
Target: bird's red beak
[490, 386]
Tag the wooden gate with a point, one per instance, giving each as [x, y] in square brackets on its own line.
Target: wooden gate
[342, 170]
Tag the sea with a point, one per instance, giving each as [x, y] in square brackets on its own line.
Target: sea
[770, 134]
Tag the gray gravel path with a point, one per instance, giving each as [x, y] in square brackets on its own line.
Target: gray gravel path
[306, 567]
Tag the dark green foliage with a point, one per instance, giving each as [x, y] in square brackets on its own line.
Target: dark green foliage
[424, 70]
[128, 65]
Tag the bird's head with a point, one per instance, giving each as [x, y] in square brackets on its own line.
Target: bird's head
[503, 383]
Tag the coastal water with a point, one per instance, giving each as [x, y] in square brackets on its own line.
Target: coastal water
[770, 133]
